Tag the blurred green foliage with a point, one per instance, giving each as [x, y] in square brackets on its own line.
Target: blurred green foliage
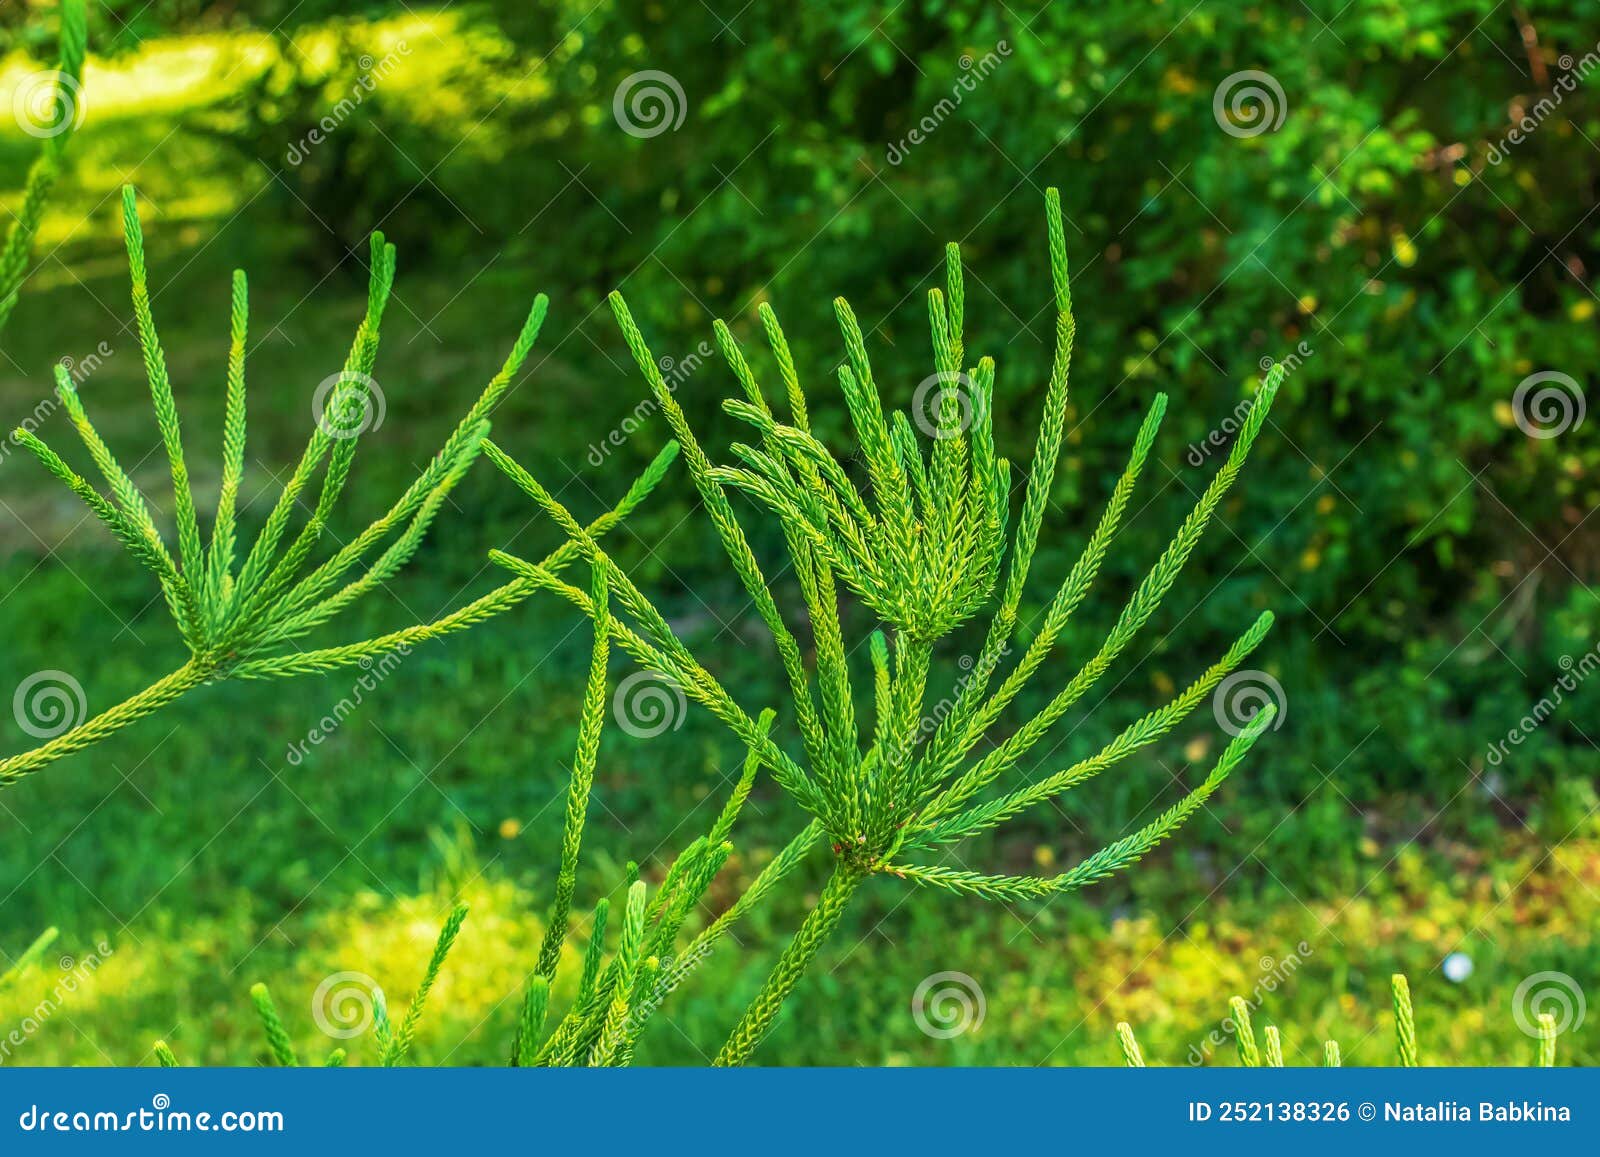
[1430, 564]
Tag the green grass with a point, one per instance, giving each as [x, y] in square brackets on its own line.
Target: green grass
[207, 862]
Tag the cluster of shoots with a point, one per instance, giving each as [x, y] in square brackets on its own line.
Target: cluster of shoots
[1268, 1051]
[243, 607]
[923, 542]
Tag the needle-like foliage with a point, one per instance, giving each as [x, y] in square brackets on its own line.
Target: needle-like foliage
[393, 1043]
[925, 541]
[243, 608]
[62, 112]
[616, 998]
[31, 955]
[1270, 1052]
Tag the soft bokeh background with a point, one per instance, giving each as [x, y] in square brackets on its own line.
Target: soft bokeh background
[1431, 564]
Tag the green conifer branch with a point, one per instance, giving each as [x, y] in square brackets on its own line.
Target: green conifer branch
[791, 965]
[582, 780]
[272, 1025]
[921, 546]
[66, 97]
[244, 623]
[400, 1044]
[1405, 1025]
